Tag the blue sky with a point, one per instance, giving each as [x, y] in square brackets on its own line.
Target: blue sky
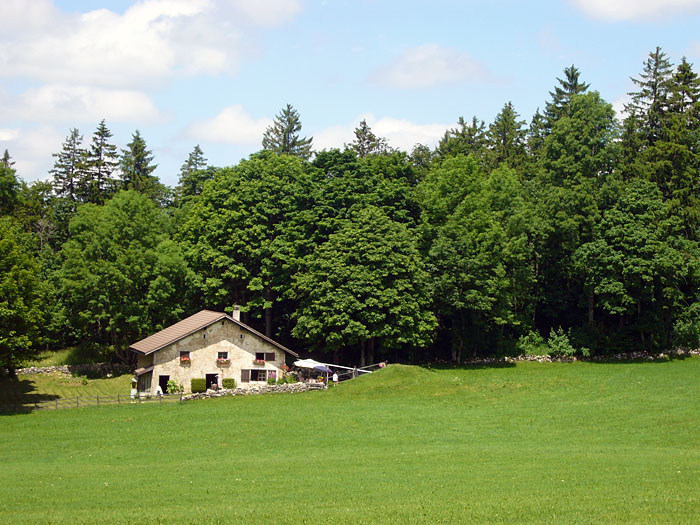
[215, 72]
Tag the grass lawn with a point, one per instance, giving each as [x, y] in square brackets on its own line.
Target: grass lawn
[570, 443]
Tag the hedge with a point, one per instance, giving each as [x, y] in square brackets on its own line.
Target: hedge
[229, 383]
[199, 385]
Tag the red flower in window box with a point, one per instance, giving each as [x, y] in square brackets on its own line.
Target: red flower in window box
[223, 362]
[185, 360]
[258, 361]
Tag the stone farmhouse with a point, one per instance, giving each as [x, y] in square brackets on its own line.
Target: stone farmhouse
[209, 345]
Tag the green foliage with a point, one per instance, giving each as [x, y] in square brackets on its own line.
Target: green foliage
[229, 383]
[271, 381]
[174, 387]
[367, 143]
[122, 278]
[20, 311]
[532, 343]
[558, 345]
[282, 137]
[137, 167]
[198, 384]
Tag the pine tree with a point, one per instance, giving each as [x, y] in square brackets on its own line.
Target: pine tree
[366, 142]
[136, 167]
[193, 174]
[561, 96]
[6, 161]
[465, 139]
[102, 161]
[69, 167]
[283, 138]
[506, 137]
[650, 104]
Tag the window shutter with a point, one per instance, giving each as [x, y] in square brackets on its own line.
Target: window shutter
[270, 356]
[245, 376]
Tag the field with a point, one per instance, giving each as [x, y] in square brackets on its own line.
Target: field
[570, 443]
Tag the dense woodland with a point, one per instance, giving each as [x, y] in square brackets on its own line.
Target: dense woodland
[578, 233]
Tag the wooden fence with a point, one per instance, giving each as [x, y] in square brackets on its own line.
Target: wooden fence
[84, 401]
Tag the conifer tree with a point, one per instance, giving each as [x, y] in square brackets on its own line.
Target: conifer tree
[561, 96]
[366, 142]
[465, 139]
[6, 160]
[102, 161]
[193, 174]
[136, 167]
[69, 167]
[506, 137]
[282, 137]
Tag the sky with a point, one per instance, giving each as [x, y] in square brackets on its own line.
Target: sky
[216, 72]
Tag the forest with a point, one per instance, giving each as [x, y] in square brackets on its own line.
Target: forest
[577, 233]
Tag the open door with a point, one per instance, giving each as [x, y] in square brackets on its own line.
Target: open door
[212, 380]
[163, 383]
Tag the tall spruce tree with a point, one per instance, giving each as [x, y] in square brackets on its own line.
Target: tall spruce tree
[6, 160]
[282, 137]
[366, 142]
[101, 164]
[69, 167]
[193, 175]
[137, 168]
[561, 96]
[506, 138]
[465, 139]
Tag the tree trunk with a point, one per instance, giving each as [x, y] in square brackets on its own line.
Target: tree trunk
[363, 360]
[590, 308]
[370, 352]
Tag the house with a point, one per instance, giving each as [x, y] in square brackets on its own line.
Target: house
[208, 345]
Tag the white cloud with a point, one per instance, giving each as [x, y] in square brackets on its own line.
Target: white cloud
[31, 150]
[635, 9]
[233, 125]
[267, 12]
[430, 65]
[62, 103]
[7, 134]
[400, 133]
[151, 42]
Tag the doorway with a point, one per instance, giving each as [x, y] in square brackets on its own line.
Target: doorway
[212, 380]
[163, 383]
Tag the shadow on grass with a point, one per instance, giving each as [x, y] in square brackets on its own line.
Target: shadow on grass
[613, 361]
[19, 396]
[466, 366]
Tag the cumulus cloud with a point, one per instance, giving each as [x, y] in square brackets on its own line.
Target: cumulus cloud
[152, 41]
[31, 150]
[635, 9]
[63, 103]
[233, 125]
[430, 65]
[400, 133]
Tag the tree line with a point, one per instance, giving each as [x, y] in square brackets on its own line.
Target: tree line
[577, 233]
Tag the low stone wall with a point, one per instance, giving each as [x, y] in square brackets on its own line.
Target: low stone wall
[628, 356]
[287, 388]
[94, 369]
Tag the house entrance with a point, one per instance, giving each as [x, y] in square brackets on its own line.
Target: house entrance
[212, 379]
[163, 383]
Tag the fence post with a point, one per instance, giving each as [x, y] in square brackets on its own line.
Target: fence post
[139, 396]
[117, 399]
[77, 401]
[180, 397]
[98, 400]
[56, 403]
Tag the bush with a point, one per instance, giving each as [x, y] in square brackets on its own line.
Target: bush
[271, 380]
[198, 384]
[532, 343]
[560, 346]
[290, 378]
[281, 381]
[229, 383]
[174, 387]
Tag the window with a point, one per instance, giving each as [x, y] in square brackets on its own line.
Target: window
[260, 356]
[269, 356]
[253, 375]
[258, 375]
[185, 357]
[222, 355]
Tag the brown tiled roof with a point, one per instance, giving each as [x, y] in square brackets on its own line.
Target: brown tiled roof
[187, 326]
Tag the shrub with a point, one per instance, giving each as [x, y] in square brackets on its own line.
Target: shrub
[84, 380]
[271, 380]
[532, 343]
[281, 381]
[174, 387]
[229, 383]
[559, 345]
[199, 384]
[290, 378]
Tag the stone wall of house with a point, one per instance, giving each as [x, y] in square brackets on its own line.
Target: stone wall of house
[204, 347]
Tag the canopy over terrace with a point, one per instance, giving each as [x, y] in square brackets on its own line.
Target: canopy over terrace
[327, 367]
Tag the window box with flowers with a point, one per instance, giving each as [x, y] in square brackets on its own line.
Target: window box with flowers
[258, 361]
[185, 359]
[223, 362]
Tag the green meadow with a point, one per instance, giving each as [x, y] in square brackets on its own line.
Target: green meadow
[556, 443]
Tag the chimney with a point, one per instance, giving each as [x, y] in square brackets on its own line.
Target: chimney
[236, 313]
